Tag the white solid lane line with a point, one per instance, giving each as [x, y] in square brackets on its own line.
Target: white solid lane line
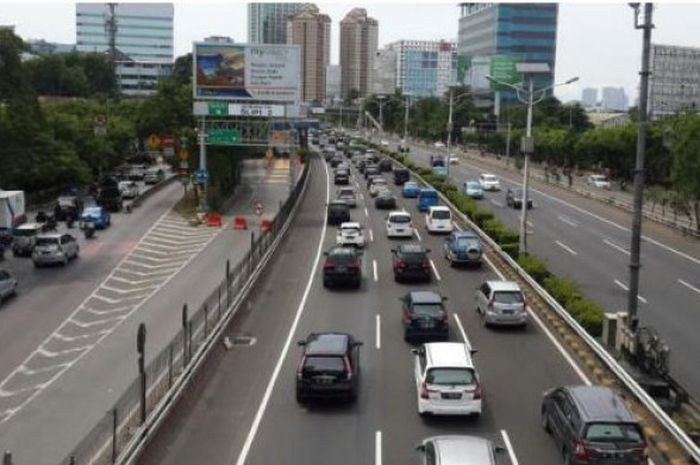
[616, 247]
[379, 332]
[374, 270]
[432, 265]
[378, 448]
[566, 220]
[496, 202]
[415, 231]
[245, 450]
[626, 289]
[509, 447]
[566, 247]
[689, 286]
[461, 331]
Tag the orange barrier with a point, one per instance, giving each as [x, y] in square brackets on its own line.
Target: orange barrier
[240, 223]
[265, 225]
[214, 220]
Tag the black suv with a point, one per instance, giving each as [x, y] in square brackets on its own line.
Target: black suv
[401, 175]
[424, 316]
[329, 367]
[338, 212]
[384, 165]
[342, 266]
[371, 170]
[514, 198]
[341, 177]
[411, 262]
[593, 426]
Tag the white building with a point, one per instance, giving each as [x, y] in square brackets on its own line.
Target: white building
[425, 68]
[589, 97]
[674, 84]
[614, 98]
[384, 75]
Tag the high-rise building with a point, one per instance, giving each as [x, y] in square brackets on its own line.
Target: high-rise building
[674, 84]
[267, 22]
[614, 98]
[526, 31]
[219, 40]
[333, 82]
[311, 30]
[142, 36]
[589, 97]
[425, 68]
[384, 73]
[358, 48]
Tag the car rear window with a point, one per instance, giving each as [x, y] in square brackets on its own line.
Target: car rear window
[346, 192]
[401, 219]
[316, 363]
[428, 194]
[338, 208]
[434, 310]
[628, 433]
[451, 376]
[508, 297]
[47, 241]
[25, 232]
[441, 214]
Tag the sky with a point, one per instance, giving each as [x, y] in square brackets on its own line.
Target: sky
[595, 41]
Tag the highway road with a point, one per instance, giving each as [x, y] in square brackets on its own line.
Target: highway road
[588, 242]
[77, 354]
[243, 410]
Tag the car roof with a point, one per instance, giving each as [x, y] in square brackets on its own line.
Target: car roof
[465, 234]
[503, 286]
[448, 354]
[425, 297]
[350, 224]
[439, 207]
[49, 236]
[600, 403]
[29, 226]
[462, 450]
[327, 343]
[411, 248]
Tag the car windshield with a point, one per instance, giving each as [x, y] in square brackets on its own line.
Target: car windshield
[441, 215]
[428, 194]
[434, 310]
[47, 241]
[25, 232]
[93, 211]
[315, 363]
[451, 376]
[402, 219]
[508, 297]
[346, 192]
[410, 185]
[473, 185]
[489, 178]
[350, 229]
[627, 433]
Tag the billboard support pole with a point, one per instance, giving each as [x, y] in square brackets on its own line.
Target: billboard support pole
[203, 160]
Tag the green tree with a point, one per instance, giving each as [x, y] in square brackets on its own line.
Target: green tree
[685, 172]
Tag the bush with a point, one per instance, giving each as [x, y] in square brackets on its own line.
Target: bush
[588, 314]
[535, 267]
[511, 249]
[509, 236]
[562, 289]
[493, 229]
[481, 216]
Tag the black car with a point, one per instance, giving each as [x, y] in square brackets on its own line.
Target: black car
[514, 198]
[342, 266]
[338, 212]
[385, 200]
[329, 367]
[424, 316]
[411, 262]
[401, 175]
[385, 165]
[371, 178]
[341, 177]
[370, 170]
[361, 166]
[68, 205]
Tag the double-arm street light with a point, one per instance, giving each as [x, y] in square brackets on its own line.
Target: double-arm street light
[530, 97]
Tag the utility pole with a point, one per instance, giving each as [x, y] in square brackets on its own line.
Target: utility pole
[508, 142]
[203, 159]
[635, 245]
[405, 122]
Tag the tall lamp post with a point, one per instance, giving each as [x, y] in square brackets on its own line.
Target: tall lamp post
[381, 112]
[530, 97]
[405, 119]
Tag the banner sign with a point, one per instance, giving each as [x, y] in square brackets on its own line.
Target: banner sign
[247, 109]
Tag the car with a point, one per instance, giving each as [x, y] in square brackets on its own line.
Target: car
[350, 234]
[67, 205]
[463, 248]
[599, 181]
[362, 165]
[501, 303]
[328, 154]
[54, 248]
[347, 195]
[371, 169]
[24, 237]
[404, 147]
[593, 425]
[473, 189]
[489, 182]
[371, 178]
[384, 143]
[8, 285]
[401, 176]
[335, 161]
[410, 190]
[453, 159]
[438, 219]
[376, 185]
[427, 197]
[514, 198]
[341, 177]
[385, 165]
[385, 200]
[338, 212]
[153, 176]
[447, 382]
[398, 224]
[342, 266]
[410, 261]
[438, 145]
[329, 367]
[136, 173]
[99, 216]
[424, 316]
[453, 449]
[128, 189]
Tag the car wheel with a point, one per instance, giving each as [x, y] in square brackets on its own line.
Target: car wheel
[545, 422]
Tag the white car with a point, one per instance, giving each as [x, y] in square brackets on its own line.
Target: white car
[128, 189]
[399, 224]
[438, 220]
[489, 182]
[454, 159]
[377, 185]
[350, 233]
[384, 143]
[599, 181]
[438, 145]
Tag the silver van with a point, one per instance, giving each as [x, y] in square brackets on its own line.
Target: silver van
[24, 238]
[501, 303]
[55, 248]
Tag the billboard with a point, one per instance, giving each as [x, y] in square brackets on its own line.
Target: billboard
[503, 69]
[266, 72]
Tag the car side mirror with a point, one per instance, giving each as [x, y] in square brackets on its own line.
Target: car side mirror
[325, 253]
[301, 343]
[358, 344]
[500, 449]
[420, 447]
[444, 299]
[473, 351]
[415, 351]
[393, 250]
[428, 250]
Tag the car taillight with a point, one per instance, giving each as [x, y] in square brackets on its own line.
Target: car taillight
[426, 264]
[401, 264]
[580, 450]
[348, 369]
[328, 266]
[477, 391]
[355, 265]
[444, 317]
[300, 369]
[424, 392]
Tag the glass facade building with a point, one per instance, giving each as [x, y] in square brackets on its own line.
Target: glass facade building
[267, 22]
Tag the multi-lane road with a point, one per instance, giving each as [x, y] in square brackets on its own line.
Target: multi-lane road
[243, 409]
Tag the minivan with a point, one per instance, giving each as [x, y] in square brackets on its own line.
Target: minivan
[427, 198]
[438, 220]
[501, 303]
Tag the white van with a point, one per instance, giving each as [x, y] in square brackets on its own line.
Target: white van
[398, 224]
[438, 219]
[446, 381]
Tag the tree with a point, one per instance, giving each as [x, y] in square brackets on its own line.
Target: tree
[685, 150]
[182, 69]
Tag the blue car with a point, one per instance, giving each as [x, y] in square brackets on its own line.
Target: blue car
[463, 248]
[97, 215]
[440, 171]
[427, 198]
[473, 189]
[410, 190]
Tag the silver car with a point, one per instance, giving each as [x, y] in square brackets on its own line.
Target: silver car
[8, 285]
[55, 248]
[501, 303]
[348, 195]
[458, 450]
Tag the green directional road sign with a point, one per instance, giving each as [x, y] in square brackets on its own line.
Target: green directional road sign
[503, 69]
[223, 136]
[217, 108]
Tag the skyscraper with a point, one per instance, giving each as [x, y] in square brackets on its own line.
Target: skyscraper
[614, 98]
[267, 22]
[142, 36]
[311, 30]
[589, 97]
[332, 82]
[358, 47]
[674, 83]
[425, 67]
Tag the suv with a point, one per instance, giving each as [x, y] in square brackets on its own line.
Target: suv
[401, 175]
[592, 425]
[411, 261]
[342, 265]
[424, 316]
[514, 198]
[338, 212]
[67, 205]
[463, 247]
[452, 450]
[446, 381]
[24, 238]
[54, 248]
[501, 303]
[329, 367]
[341, 177]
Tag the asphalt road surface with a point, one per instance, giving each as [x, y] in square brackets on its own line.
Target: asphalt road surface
[243, 409]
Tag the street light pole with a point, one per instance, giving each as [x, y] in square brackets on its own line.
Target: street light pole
[405, 122]
[449, 131]
[526, 171]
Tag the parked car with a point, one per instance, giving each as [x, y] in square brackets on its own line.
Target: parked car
[401, 175]
[342, 266]
[410, 190]
[410, 261]
[446, 380]
[438, 219]
[128, 189]
[350, 234]
[463, 247]
[473, 189]
[153, 176]
[99, 216]
[341, 177]
[347, 195]
[514, 198]
[427, 198]
[501, 303]
[329, 367]
[424, 316]
[453, 449]
[599, 181]
[54, 248]
[8, 285]
[489, 182]
[24, 238]
[593, 425]
[398, 224]
[338, 212]
[453, 159]
[385, 200]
